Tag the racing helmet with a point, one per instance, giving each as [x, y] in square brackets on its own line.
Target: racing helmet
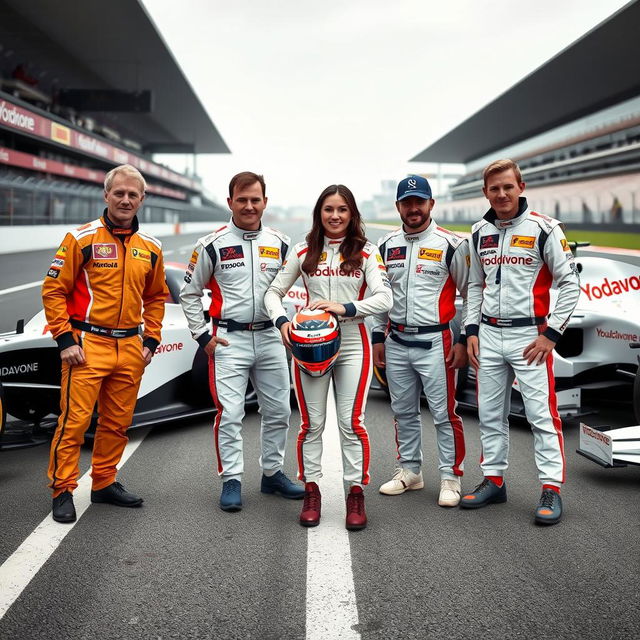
[315, 341]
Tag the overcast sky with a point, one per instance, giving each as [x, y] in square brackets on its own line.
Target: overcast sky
[313, 93]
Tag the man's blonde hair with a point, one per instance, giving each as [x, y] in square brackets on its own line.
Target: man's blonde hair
[127, 170]
[499, 166]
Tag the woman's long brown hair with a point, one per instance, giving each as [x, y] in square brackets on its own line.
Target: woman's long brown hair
[354, 240]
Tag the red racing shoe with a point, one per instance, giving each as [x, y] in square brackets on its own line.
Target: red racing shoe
[310, 515]
[356, 516]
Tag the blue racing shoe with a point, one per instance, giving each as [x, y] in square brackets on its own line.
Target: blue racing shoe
[487, 492]
[230, 499]
[279, 483]
[549, 510]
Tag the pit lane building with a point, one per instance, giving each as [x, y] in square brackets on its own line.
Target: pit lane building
[86, 85]
[573, 126]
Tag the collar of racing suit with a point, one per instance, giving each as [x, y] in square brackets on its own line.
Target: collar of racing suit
[492, 217]
[244, 234]
[417, 237]
[117, 231]
[332, 242]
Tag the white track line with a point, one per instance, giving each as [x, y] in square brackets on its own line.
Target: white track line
[29, 285]
[25, 562]
[331, 610]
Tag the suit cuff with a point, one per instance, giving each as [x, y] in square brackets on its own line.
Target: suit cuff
[204, 339]
[350, 310]
[281, 320]
[552, 334]
[378, 337]
[462, 339]
[151, 344]
[65, 340]
[472, 329]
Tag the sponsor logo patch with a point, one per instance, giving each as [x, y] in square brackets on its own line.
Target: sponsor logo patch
[141, 254]
[323, 257]
[396, 253]
[468, 260]
[269, 252]
[53, 273]
[232, 266]
[489, 242]
[565, 245]
[62, 250]
[523, 242]
[105, 251]
[231, 253]
[104, 265]
[379, 258]
[58, 262]
[430, 254]
[265, 268]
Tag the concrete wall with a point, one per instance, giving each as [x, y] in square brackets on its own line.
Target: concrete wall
[32, 237]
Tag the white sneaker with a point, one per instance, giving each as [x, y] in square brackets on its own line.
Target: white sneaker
[403, 480]
[449, 492]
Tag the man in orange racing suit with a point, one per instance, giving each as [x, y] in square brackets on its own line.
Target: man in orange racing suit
[101, 276]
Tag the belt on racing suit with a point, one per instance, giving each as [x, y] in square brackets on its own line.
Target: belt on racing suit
[232, 325]
[429, 328]
[104, 331]
[513, 322]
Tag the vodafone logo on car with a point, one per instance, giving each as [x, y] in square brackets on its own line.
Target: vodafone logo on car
[610, 287]
[170, 346]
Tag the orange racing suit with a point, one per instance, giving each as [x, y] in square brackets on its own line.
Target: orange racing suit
[93, 294]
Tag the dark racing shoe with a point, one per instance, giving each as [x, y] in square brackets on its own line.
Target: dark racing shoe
[116, 494]
[280, 484]
[231, 499]
[549, 510]
[310, 515]
[63, 509]
[356, 516]
[487, 492]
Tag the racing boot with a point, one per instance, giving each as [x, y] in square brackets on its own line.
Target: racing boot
[310, 515]
[280, 484]
[403, 480]
[487, 492]
[356, 516]
[63, 509]
[449, 492]
[231, 497]
[116, 494]
[549, 510]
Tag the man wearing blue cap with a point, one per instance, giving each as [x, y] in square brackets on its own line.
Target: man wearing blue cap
[414, 342]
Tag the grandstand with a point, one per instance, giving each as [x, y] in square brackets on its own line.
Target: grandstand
[84, 86]
[573, 126]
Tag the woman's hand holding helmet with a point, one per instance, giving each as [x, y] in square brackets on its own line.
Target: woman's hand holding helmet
[327, 305]
[284, 332]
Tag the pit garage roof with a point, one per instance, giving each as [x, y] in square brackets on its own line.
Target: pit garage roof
[597, 71]
[93, 44]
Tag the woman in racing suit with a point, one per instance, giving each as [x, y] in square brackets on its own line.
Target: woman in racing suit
[337, 265]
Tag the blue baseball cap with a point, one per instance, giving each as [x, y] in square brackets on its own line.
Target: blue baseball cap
[414, 186]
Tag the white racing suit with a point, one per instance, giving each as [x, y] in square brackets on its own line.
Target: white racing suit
[513, 266]
[353, 367]
[425, 270]
[238, 266]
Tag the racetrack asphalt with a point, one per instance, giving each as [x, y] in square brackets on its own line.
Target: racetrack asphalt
[180, 568]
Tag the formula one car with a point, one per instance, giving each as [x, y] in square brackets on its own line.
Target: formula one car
[610, 448]
[596, 353]
[174, 385]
